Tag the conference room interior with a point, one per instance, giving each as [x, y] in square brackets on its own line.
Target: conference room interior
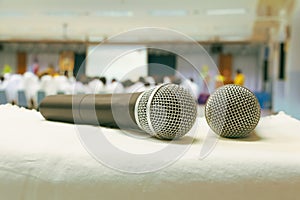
[129, 46]
[77, 44]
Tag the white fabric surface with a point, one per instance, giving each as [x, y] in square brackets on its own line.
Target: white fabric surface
[46, 160]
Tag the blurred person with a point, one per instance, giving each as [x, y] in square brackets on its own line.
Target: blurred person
[148, 86]
[36, 68]
[191, 86]
[176, 80]
[63, 84]
[48, 85]
[150, 80]
[103, 80]
[79, 88]
[31, 86]
[66, 73]
[167, 79]
[223, 78]
[239, 78]
[142, 79]
[95, 86]
[205, 76]
[137, 86]
[6, 76]
[195, 88]
[13, 84]
[83, 79]
[50, 70]
[127, 83]
[56, 73]
[227, 76]
[7, 69]
[219, 81]
[115, 87]
[1, 79]
[2, 82]
[72, 80]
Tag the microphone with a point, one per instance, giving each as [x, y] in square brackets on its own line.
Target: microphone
[167, 111]
[232, 111]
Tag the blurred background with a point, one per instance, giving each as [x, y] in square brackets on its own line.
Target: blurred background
[52, 47]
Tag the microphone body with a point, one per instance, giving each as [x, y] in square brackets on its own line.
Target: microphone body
[91, 109]
[167, 111]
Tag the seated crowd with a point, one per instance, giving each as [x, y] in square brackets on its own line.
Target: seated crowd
[32, 86]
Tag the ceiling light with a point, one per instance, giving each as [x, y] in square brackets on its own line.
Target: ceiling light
[95, 38]
[113, 13]
[168, 13]
[11, 14]
[62, 13]
[234, 11]
[235, 38]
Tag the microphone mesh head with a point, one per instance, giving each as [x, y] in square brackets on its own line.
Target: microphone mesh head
[232, 111]
[166, 112]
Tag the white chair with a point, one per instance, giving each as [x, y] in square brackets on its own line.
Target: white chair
[3, 98]
[63, 85]
[40, 96]
[150, 80]
[167, 79]
[14, 83]
[115, 87]
[96, 86]
[78, 88]
[137, 87]
[31, 86]
[48, 85]
[22, 100]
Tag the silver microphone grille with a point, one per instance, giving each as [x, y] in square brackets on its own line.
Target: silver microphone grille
[166, 112]
[232, 111]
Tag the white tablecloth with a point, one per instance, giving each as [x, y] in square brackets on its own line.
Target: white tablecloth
[46, 160]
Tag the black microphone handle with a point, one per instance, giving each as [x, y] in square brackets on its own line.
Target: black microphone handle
[111, 110]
